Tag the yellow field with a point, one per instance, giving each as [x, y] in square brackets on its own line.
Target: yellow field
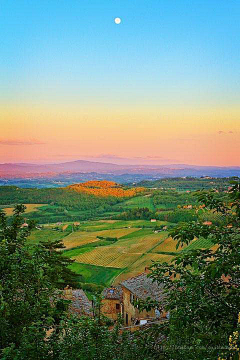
[29, 208]
[108, 221]
[141, 244]
[124, 260]
[146, 242]
[79, 238]
[140, 265]
[108, 256]
[168, 245]
[101, 256]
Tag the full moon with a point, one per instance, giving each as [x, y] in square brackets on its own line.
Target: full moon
[117, 20]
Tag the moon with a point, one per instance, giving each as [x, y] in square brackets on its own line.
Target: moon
[117, 20]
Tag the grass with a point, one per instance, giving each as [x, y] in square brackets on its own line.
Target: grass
[78, 251]
[95, 274]
[139, 201]
[100, 225]
[45, 234]
[137, 234]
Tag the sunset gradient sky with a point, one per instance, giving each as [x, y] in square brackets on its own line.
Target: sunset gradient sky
[161, 87]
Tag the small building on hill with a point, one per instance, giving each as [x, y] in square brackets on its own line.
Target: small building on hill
[24, 225]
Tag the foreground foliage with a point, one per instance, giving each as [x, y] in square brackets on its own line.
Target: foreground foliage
[202, 286]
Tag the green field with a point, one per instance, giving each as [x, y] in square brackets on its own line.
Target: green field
[46, 234]
[139, 201]
[200, 244]
[96, 274]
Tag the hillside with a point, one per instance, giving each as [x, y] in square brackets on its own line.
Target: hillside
[105, 189]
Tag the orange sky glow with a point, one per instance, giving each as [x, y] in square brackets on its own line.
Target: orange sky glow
[58, 133]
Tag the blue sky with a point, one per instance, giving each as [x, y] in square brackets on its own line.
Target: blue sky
[188, 50]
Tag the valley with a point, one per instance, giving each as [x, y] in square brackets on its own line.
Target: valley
[112, 231]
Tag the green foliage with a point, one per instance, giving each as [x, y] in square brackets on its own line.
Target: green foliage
[113, 239]
[187, 184]
[178, 215]
[202, 286]
[63, 204]
[29, 305]
[58, 269]
[137, 214]
[90, 339]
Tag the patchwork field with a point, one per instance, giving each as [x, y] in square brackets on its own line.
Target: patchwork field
[96, 274]
[119, 224]
[102, 261]
[140, 265]
[79, 238]
[108, 256]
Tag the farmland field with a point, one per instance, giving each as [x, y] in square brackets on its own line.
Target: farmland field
[29, 208]
[45, 234]
[168, 245]
[139, 201]
[140, 265]
[79, 238]
[84, 223]
[96, 274]
[200, 244]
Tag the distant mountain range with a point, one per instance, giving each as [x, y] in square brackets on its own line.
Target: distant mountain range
[82, 166]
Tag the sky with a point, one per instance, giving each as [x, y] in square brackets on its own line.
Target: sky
[162, 87]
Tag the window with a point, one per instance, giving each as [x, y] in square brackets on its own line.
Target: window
[117, 306]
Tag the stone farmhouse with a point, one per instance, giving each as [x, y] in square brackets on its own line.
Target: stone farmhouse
[120, 300]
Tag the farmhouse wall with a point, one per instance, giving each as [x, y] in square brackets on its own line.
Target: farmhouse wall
[111, 308]
[130, 312]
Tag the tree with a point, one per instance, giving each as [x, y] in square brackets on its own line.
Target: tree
[29, 304]
[202, 286]
[58, 269]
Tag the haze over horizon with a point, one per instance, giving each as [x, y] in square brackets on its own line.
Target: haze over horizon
[162, 87]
